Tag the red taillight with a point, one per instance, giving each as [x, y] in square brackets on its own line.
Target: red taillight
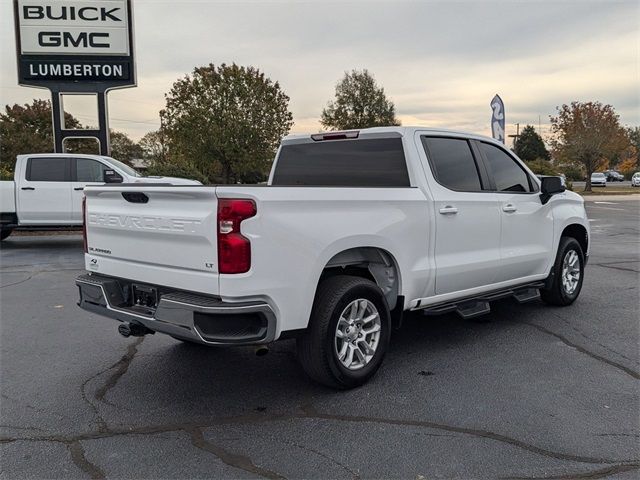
[84, 223]
[234, 249]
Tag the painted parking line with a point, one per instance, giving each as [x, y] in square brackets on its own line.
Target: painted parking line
[607, 203]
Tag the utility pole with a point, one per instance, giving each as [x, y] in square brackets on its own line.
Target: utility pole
[516, 136]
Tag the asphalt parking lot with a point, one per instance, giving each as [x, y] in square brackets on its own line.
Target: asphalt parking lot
[531, 392]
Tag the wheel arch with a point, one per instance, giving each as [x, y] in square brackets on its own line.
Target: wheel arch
[580, 233]
[374, 263]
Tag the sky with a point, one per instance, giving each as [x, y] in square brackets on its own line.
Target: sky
[441, 63]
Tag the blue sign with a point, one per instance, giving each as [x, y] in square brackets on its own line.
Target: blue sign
[497, 119]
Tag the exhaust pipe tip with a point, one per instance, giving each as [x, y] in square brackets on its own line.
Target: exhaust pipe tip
[128, 329]
[124, 330]
[262, 350]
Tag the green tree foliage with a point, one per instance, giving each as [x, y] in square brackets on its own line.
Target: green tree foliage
[28, 129]
[542, 167]
[587, 133]
[530, 145]
[180, 170]
[123, 148]
[359, 103]
[226, 121]
[154, 146]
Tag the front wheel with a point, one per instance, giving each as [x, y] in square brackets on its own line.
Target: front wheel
[568, 274]
[348, 333]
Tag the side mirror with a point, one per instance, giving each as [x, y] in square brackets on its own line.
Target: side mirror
[111, 176]
[550, 186]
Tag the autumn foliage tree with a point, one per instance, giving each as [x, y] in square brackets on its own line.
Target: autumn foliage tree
[587, 133]
[227, 121]
[28, 129]
[359, 103]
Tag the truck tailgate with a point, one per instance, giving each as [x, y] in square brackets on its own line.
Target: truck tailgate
[163, 235]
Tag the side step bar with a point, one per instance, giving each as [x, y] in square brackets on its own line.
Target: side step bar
[472, 307]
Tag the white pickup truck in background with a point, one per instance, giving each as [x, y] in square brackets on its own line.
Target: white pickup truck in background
[353, 229]
[47, 190]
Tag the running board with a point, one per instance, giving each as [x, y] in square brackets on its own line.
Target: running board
[472, 307]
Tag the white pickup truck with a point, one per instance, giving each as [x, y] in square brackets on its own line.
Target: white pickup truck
[352, 229]
[47, 188]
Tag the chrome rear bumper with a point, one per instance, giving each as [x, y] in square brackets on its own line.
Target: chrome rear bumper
[193, 317]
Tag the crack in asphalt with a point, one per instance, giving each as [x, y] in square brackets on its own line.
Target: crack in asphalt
[80, 460]
[604, 265]
[354, 475]
[21, 281]
[235, 460]
[591, 475]
[121, 367]
[582, 334]
[309, 412]
[581, 349]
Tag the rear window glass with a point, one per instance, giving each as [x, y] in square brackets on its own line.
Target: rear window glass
[453, 164]
[343, 163]
[42, 169]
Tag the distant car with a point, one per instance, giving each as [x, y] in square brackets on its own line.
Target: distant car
[613, 176]
[635, 180]
[598, 179]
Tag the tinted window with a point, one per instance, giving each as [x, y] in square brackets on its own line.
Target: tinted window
[507, 174]
[345, 163]
[452, 163]
[89, 170]
[44, 169]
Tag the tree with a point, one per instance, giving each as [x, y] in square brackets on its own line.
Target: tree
[154, 146]
[587, 133]
[28, 129]
[123, 148]
[530, 146]
[226, 121]
[359, 103]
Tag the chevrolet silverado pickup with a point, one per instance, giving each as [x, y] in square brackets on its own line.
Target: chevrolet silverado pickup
[352, 229]
[47, 188]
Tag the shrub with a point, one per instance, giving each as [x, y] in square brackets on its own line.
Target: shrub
[542, 167]
[573, 173]
[182, 170]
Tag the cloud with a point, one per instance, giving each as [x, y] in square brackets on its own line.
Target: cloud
[440, 62]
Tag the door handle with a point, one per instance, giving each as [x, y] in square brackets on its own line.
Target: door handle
[509, 208]
[78, 188]
[28, 188]
[448, 210]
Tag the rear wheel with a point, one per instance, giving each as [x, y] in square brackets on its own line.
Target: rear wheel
[568, 274]
[5, 232]
[348, 333]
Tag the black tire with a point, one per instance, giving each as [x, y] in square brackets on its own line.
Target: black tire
[557, 293]
[5, 232]
[317, 350]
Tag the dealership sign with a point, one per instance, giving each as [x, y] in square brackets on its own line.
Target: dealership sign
[75, 45]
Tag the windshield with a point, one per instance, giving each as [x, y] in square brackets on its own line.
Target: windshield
[122, 166]
[597, 175]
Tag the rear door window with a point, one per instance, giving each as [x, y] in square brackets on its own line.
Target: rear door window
[376, 162]
[508, 175]
[452, 163]
[48, 169]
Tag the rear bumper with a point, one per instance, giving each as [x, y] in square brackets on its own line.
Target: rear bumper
[194, 317]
